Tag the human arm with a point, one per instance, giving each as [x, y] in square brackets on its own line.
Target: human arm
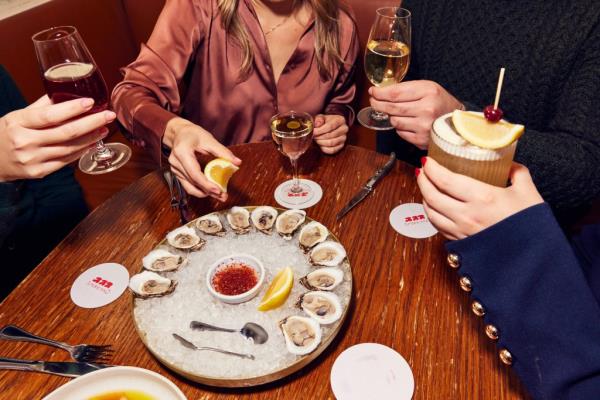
[148, 99]
[331, 127]
[523, 271]
[45, 137]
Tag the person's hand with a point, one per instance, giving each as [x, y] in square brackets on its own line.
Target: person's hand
[460, 206]
[413, 106]
[185, 140]
[44, 137]
[330, 132]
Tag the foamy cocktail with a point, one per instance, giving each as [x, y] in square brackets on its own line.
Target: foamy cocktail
[453, 151]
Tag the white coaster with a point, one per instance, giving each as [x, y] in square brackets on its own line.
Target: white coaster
[100, 285]
[410, 220]
[371, 371]
[310, 195]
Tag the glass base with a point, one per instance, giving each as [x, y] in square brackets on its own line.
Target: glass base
[91, 163]
[310, 194]
[370, 120]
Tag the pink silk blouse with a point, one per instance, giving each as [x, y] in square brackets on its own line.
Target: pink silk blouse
[190, 68]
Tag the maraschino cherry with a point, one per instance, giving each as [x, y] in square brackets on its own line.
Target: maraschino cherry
[493, 114]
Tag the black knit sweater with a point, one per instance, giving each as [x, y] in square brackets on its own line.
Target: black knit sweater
[551, 50]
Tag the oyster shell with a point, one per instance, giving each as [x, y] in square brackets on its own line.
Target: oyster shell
[211, 225]
[185, 238]
[264, 218]
[288, 221]
[150, 284]
[312, 234]
[161, 260]
[328, 254]
[239, 220]
[323, 307]
[323, 279]
[302, 335]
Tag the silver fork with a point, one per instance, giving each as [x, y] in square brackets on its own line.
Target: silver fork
[81, 352]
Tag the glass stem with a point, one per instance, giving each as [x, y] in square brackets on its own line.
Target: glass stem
[103, 153]
[296, 188]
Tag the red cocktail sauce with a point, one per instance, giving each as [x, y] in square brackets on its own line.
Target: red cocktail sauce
[235, 278]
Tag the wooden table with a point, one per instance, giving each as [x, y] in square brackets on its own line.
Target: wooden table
[405, 296]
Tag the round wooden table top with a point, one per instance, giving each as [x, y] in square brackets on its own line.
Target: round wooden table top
[405, 296]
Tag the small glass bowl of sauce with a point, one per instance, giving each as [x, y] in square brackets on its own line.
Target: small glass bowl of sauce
[235, 279]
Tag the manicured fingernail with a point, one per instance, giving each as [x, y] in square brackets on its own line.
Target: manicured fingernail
[87, 102]
[237, 160]
[423, 161]
[110, 116]
[417, 171]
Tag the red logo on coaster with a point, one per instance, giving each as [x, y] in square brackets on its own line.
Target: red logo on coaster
[301, 194]
[103, 285]
[414, 218]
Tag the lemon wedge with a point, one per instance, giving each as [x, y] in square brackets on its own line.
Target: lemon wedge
[477, 130]
[278, 290]
[219, 171]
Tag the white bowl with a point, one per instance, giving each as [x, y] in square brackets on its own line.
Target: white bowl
[243, 258]
[114, 379]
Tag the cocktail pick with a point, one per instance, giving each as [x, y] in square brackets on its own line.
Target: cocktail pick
[495, 113]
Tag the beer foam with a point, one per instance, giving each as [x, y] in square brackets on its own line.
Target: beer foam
[69, 71]
[446, 138]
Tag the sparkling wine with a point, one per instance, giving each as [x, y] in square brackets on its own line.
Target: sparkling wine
[74, 80]
[292, 135]
[386, 61]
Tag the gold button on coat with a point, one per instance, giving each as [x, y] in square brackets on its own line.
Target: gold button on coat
[478, 309]
[491, 331]
[453, 260]
[506, 357]
[465, 284]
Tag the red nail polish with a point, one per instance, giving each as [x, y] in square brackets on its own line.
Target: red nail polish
[417, 171]
[423, 161]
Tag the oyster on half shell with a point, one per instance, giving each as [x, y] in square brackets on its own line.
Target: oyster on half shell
[288, 221]
[150, 284]
[211, 225]
[185, 238]
[323, 307]
[161, 260]
[328, 254]
[327, 278]
[312, 234]
[302, 335]
[239, 220]
[264, 218]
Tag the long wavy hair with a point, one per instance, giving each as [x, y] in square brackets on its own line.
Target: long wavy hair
[327, 38]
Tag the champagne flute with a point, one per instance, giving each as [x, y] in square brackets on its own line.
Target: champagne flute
[292, 133]
[387, 58]
[69, 72]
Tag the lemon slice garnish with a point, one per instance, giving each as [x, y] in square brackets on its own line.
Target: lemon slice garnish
[219, 171]
[293, 125]
[278, 290]
[477, 130]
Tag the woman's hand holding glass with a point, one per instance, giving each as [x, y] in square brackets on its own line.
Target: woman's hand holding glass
[459, 206]
[44, 137]
[185, 140]
[330, 132]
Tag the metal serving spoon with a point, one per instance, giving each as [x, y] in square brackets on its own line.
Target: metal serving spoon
[251, 330]
[190, 345]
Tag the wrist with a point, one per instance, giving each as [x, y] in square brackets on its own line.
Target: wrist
[173, 127]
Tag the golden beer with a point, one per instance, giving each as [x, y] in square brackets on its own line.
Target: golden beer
[449, 149]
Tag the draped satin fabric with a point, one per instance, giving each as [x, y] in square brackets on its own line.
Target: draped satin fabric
[191, 68]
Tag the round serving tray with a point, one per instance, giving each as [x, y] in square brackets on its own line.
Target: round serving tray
[213, 368]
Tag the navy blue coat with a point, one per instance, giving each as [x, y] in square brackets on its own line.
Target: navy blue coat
[542, 293]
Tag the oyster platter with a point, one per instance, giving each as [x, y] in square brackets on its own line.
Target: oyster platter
[243, 296]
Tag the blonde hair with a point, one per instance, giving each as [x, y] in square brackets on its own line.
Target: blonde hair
[327, 35]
